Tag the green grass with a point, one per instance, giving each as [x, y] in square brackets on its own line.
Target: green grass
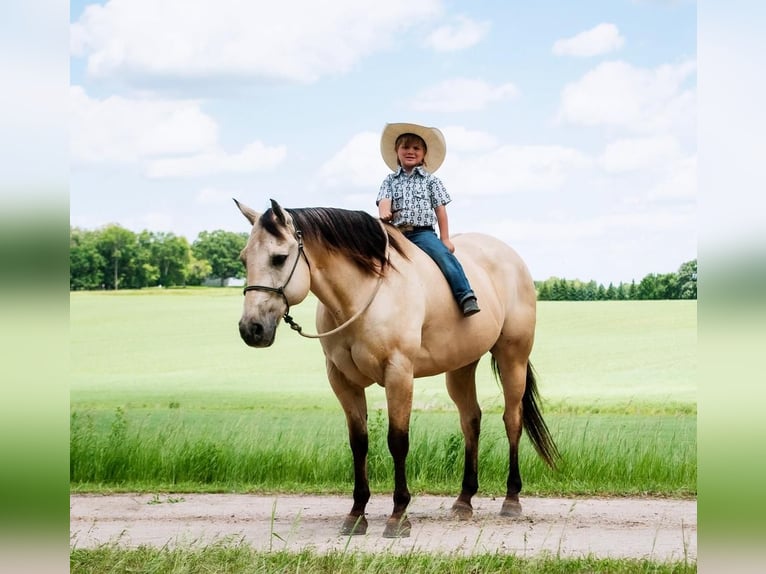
[165, 396]
[233, 558]
[153, 347]
[262, 451]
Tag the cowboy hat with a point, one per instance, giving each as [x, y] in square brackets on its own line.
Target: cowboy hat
[436, 148]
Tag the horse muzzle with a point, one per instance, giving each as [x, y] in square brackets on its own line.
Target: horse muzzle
[257, 333]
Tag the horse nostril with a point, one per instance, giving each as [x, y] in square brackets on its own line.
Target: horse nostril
[250, 331]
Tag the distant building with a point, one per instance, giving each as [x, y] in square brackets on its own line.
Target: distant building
[228, 282]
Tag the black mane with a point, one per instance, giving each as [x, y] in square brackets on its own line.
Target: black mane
[356, 234]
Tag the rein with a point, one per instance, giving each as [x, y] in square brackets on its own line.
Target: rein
[281, 292]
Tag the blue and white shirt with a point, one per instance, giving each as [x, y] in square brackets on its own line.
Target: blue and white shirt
[414, 197]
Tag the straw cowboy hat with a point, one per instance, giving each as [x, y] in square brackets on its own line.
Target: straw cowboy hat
[436, 148]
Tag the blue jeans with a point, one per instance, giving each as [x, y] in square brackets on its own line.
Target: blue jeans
[429, 242]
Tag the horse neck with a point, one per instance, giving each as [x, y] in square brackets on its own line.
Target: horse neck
[336, 281]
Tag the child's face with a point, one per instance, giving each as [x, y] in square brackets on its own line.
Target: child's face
[411, 153]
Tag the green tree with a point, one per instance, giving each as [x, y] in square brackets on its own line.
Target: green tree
[667, 286]
[544, 292]
[590, 291]
[558, 289]
[118, 247]
[197, 270]
[171, 255]
[621, 294]
[221, 249]
[86, 264]
[687, 280]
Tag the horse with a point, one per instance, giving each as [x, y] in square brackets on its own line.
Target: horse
[385, 315]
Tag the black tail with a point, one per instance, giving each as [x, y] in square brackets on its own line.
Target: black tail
[532, 419]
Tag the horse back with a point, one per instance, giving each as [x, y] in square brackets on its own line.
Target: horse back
[506, 294]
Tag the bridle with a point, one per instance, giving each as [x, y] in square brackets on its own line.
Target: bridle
[281, 292]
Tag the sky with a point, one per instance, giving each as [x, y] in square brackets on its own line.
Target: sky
[571, 127]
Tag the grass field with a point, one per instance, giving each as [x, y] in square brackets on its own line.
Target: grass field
[165, 396]
[152, 348]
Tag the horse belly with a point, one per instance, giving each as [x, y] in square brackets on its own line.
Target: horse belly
[449, 350]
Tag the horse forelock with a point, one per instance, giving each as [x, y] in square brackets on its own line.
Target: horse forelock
[270, 224]
[354, 234]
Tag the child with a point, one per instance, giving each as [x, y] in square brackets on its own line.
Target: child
[413, 200]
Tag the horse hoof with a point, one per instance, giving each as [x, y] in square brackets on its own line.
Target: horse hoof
[462, 510]
[511, 508]
[397, 528]
[354, 525]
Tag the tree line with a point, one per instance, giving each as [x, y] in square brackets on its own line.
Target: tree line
[113, 257]
[679, 285]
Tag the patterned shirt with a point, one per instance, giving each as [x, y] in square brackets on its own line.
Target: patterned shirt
[413, 197]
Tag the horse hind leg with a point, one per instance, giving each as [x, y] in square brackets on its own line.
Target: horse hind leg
[461, 386]
[512, 375]
[522, 410]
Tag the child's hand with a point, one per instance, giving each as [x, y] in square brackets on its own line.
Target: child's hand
[384, 210]
[448, 244]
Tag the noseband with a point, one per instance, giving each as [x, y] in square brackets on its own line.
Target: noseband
[281, 292]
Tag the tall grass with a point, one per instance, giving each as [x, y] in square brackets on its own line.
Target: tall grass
[308, 452]
[236, 558]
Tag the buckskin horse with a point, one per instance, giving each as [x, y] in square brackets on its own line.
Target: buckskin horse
[385, 315]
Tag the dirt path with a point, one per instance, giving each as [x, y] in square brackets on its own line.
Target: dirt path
[637, 528]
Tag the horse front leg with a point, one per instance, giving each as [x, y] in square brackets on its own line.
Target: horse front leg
[354, 403]
[356, 522]
[399, 400]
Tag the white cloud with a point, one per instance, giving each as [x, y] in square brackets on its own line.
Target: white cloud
[616, 94]
[572, 230]
[295, 41]
[601, 39]
[462, 139]
[461, 94]
[119, 129]
[463, 34]
[680, 183]
[657, 163]
[511, 169]
[169, 138]
[212, 195]
[256, 156]
[632, 154]
[357, 164]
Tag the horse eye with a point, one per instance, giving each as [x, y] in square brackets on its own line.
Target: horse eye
[278, 260]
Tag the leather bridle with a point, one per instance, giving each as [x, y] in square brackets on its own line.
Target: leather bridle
[281, 292]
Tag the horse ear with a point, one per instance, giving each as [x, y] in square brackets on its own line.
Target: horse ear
[251, 215]
[279, 212]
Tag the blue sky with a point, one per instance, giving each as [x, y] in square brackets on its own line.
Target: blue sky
[570, 126]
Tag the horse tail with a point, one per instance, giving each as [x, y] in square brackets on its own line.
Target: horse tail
[532, 419]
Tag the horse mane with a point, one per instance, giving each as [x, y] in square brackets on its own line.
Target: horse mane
[355, 234]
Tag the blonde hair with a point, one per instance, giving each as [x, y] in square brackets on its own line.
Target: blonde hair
[409, 139]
